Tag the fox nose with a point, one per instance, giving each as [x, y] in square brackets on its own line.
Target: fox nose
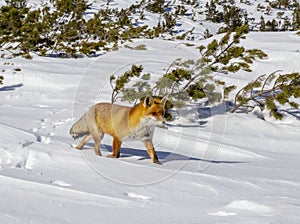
[161, 118]
[158, 119]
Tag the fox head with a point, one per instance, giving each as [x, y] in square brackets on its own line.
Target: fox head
[154, 108]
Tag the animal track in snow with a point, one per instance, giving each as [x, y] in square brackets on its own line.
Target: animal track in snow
[30, 161]
[5, 158]
[62, 121]
[43, 138]
[42, 106]
[234, 207]
[60, 183]
[44, 122]
[222, 213]
[137, 196]
[22, 158]
[249, 206]
[34, 157]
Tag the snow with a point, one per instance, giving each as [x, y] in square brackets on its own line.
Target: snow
[249, 205]
[229, 168]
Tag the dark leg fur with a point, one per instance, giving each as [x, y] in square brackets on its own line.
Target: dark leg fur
[116, 148]
[151, 151]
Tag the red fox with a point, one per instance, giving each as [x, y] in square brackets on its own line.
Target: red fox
[122, 123]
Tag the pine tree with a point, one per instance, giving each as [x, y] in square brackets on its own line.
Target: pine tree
[18, 4]
[169, 23]
[156, 6]
[274, 25]
[23, 28]
[211, 10]
[284, 3]
[212, 13]
[119, 83]
[262, 24]
[296, 17]
[268, 10]
[286, 24]
[192, 80]
[65, 32]
[207, 34]
[233, 17]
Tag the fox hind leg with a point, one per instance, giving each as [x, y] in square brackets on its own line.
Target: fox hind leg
[116, 148]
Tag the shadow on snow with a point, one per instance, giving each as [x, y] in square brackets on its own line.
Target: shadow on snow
[164, 157]
[10, 88]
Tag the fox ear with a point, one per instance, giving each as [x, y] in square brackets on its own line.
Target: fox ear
[148, 101]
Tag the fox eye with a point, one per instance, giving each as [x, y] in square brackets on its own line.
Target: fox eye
[155, 113]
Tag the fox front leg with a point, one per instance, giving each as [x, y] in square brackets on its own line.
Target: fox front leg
[151, 151]
[83, 141]
[96, 146]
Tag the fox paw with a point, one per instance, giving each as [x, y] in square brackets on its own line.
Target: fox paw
[111, 156]
[98, 153]
[158, 162]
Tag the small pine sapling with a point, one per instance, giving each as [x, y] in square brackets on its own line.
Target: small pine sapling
[119, 84]
[192, 80]
[268, 92]
[226, 55]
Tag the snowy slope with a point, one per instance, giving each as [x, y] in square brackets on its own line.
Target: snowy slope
[225, 168]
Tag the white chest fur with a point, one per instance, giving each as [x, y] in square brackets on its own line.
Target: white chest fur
[143, 131]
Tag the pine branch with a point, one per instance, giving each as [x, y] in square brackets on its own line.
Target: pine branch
[267, 79]
[283, 88]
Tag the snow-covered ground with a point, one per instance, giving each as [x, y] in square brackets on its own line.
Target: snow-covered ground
[224, 168]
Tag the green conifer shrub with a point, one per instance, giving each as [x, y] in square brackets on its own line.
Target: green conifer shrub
[296, 17]
[191, 80]
[65, 31]
[120, 90]
[18, 4]
[268, 93]
[156, 6]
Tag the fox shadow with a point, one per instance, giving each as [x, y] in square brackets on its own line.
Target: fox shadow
[10, 88]
[163, 156]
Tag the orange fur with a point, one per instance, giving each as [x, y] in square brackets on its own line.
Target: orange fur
[122, 123]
